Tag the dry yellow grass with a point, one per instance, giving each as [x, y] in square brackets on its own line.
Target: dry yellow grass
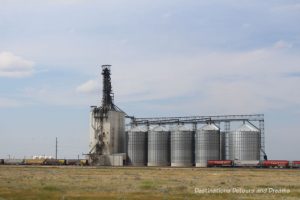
[33, 182]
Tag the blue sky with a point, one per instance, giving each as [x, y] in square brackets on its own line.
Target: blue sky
[170, 58]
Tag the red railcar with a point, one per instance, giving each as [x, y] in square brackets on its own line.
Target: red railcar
[275, 163]
[295, 164]
[219, 163]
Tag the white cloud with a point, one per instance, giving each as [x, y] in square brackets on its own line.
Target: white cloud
[55, 96]
[70, 2]
[231, 82]
[15, 66]
[219, 82]
[282, 45]
[91, 86]
[287, 8]
[9, 103]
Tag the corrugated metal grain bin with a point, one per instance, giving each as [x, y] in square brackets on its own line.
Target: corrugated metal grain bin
[223, 145]
[207, 144]
[137, 146]
[182, 139]
[244, 143]
[159, 146]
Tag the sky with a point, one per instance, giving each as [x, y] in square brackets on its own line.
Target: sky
[169, 58]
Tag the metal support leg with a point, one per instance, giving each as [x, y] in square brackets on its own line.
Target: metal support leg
[262, 138]
[195, 127]
[227, 130]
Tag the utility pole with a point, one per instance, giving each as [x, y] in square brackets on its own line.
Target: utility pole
[56, 148]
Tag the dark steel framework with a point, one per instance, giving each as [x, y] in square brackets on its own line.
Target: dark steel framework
[107, 94]
[217, 119]
[100, 113]
[107, 103]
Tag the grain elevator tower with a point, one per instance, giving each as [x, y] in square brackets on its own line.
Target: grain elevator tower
[107, 127]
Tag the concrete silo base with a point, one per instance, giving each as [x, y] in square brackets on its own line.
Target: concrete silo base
[181, 164]
[137, 164]
[201, 164]
[158, 164]
[108, 160]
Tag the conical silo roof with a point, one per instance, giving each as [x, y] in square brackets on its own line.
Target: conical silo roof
[139, 129]
[247, 127]
[182, 128]
[210, 127]
[159, 129]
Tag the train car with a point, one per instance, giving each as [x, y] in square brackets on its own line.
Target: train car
[62, 161]
[13, 161]
[84, 162]
[295, 164]
[53, 162]
[72, 162]
[275, 163]
[219, 163]
[34, 161]
[1, 162]
[246, 163]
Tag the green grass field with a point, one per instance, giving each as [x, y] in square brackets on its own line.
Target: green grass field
[33, 182]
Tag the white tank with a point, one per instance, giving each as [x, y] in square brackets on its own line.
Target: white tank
[244, 143]
[159, 147]
[207, 144]
[182, 140]
[137, 146]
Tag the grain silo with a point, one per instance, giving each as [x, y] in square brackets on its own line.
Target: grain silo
[182, 140]
[244, 143]
[207, 144]
[107, 125]
[223, 145]
[136, 145]
[159, 146]
[107, 132]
